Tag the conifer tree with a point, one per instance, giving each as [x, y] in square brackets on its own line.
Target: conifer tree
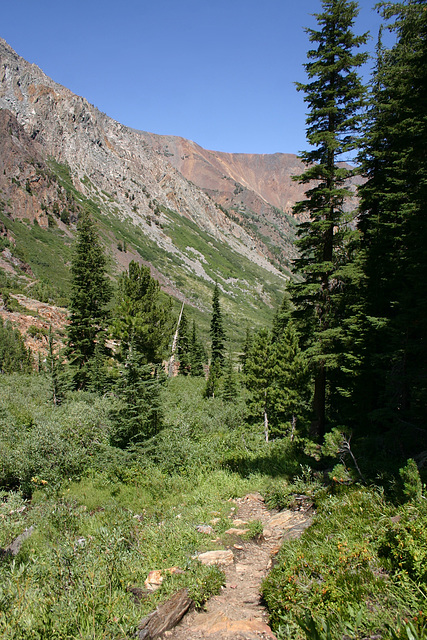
[217, 332]
[14, 356]
[197, 354]
[335, 97]
[229, 391]
[247, 346]
[54, 371]
[90, 293]
[282, 317]
[141, 318]
[184, 347]
[259, 379]
[276, 374]
[393, 223]
[138, 389]
[213, 381]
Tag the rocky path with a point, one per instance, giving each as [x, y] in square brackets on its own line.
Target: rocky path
[237, 612]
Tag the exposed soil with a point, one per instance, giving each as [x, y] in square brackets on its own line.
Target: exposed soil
[237, 612]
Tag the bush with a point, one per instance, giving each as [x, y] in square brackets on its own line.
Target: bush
[40, 442]
[335, 574]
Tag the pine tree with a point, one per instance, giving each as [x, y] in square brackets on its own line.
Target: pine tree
[393, 223]
[247, 346]
[282, 317]
[90, 293]
[197, 354]
[213, 381]
[184, 347]
[141, 318]
[229, 390]
[54, 371]
[217, 332]
[259, 379]
[335, 98]
[14, 356]
[138, 390]
[291, 388]
[276, 374]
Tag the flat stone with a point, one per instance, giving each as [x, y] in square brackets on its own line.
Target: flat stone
[239, 523]
[236, 532]
[211, 624]
[221, 557]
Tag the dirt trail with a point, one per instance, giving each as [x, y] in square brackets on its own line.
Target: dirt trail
[237, 612]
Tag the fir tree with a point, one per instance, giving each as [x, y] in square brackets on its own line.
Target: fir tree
[184, 347]
[282, 318]
[140, 316]
[14, 356]
[335, 97]
[247, 346]
[259, 379]
[197, 354]
[393, 223]
[90, 294]
[276, 374]
[54, 371]
[217, 332]
[138, 389]
[229, 390]
[213, 381]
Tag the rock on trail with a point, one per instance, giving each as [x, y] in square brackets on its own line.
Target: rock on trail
[237, 612]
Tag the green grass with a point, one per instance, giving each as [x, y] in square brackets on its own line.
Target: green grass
[47, 251]
[104, 518]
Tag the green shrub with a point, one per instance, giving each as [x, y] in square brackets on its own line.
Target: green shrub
[412, 488]
[404, 544]
[335, 574]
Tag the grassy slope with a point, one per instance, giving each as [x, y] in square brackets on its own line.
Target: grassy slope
[250, 293]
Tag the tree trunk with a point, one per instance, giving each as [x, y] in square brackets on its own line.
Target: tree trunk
[265, 418]
[174, 343]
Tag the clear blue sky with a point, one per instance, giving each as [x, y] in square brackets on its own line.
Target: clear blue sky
[219, 72]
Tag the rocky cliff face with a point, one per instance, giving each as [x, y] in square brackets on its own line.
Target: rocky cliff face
[131, 173]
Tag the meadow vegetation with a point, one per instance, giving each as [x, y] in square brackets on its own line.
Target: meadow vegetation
[114, 463]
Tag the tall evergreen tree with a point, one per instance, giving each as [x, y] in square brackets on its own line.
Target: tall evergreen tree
[229, 391]
[184, 347]
[217, 332]
[335, 98]
[197, 353]
[247, 346]
[141, 318]
[54, 372]
[393, 223]
[276, 374]
[138, 389]
[90, 293]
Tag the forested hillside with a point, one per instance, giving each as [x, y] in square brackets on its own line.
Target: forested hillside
[134, 427]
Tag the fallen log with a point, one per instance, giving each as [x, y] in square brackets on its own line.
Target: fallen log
[13, 548]
[165, 617]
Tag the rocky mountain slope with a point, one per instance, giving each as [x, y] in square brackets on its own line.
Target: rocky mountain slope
[115, 159]
[195, 216]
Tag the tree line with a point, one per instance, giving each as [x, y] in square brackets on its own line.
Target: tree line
[347, 347]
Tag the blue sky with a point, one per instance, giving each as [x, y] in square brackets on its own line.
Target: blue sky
[219, 72]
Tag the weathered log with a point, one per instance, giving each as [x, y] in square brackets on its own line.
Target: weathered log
[13, 548]
[165, 617]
